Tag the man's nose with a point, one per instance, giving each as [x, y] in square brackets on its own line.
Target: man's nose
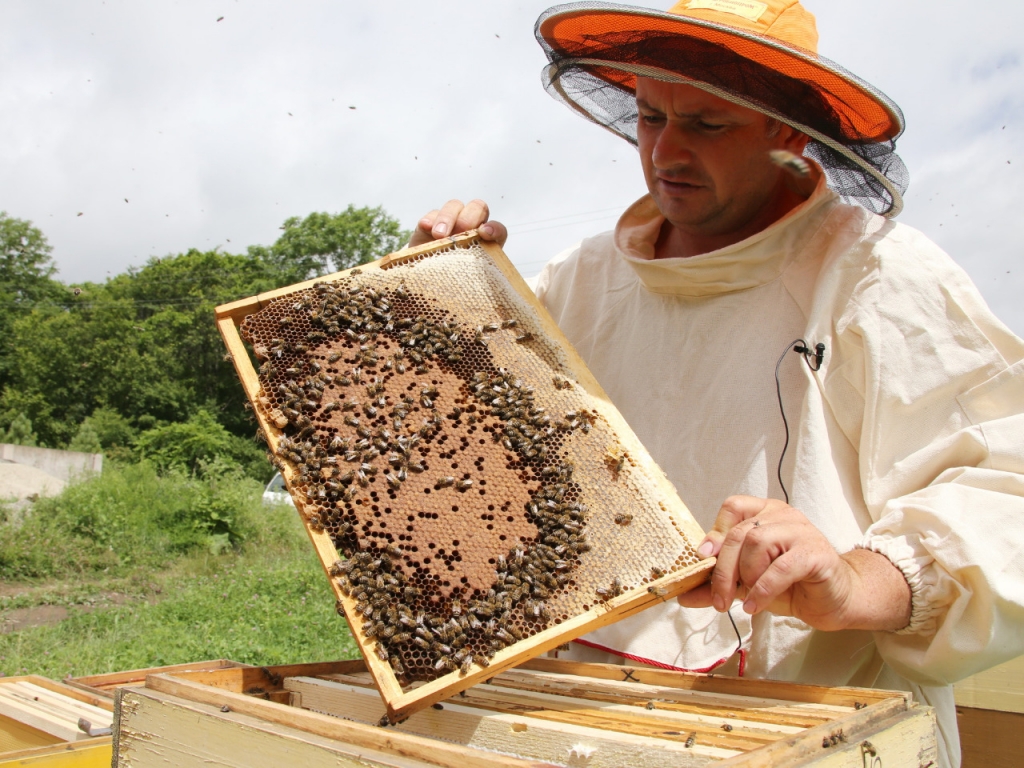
[671, 149]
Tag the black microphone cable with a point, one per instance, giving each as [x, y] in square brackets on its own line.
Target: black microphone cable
[813, 358]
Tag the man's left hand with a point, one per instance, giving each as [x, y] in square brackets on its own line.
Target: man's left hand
[773, 558]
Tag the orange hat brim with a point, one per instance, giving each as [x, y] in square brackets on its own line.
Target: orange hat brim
[867, 115]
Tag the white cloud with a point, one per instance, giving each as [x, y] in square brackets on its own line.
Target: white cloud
[187, 117]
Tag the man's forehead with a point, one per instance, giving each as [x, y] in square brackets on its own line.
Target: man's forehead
[683, 100]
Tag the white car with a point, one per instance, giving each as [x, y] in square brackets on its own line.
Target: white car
[276, 492]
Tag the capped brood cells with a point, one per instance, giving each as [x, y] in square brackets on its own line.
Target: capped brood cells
[438, 429]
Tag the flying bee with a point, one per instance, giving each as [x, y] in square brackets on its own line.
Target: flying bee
[790, 163]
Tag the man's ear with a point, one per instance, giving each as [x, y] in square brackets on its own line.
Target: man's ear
[792, 140]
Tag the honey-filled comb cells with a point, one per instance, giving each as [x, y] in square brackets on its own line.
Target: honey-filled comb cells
[473, 495]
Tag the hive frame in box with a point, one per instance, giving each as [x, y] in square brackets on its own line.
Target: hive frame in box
[545, 712]
[401, 703]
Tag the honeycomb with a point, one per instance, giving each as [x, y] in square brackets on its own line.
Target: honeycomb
[428, 425]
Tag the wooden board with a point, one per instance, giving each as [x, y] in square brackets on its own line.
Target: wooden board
[361, 737]
[1000, 688]
[107, 684]
[158, 730]
[552, 715]
[651, 554]
[51, 708]
[990, 738]
[90, 753]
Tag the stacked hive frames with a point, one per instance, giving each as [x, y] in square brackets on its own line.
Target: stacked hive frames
[435, 427]
[544, 713]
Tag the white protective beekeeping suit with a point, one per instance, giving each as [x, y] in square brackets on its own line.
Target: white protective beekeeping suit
[908, 441]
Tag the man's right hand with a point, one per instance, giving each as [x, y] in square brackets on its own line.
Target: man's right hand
[453, 218]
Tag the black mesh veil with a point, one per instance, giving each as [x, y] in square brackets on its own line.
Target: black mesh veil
[595, 76]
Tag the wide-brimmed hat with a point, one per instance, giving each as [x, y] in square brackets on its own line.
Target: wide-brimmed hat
[760, 54]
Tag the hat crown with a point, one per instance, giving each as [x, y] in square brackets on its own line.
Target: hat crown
[784, 20]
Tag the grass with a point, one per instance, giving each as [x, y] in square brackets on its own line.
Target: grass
[264, 600]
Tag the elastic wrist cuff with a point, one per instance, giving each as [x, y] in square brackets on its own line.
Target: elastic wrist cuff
[917, 567]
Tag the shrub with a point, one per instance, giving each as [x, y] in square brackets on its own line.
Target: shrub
[133, 516]
[201, 442]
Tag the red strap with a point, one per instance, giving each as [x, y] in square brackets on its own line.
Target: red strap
[661, 665]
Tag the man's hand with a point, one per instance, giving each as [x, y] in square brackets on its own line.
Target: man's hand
[774, 559]
[453, 218]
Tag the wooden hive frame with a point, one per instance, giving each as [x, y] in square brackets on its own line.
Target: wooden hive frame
[39, 724]
[545, 712]
[400, 703]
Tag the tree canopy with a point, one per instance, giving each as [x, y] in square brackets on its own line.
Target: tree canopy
[114, 364]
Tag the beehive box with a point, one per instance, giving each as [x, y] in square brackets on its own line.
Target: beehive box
[468, 486]
[545, 713]
[106, 684]
[44, 723]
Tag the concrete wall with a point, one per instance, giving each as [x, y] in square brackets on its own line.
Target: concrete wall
[65, 465]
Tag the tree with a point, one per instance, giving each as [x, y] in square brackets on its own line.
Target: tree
[19, 432]
[322, 242]
[26, 272]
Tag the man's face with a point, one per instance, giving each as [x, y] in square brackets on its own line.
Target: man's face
[706, 160]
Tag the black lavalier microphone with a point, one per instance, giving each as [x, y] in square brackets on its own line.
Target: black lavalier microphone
[819, 353]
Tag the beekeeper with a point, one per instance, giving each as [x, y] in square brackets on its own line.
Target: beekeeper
[827, 390]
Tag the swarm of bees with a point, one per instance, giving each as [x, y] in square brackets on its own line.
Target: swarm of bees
[357, 378]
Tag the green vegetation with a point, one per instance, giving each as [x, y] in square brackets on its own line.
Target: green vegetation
[142, 347]
[169, 556]
[134, 556]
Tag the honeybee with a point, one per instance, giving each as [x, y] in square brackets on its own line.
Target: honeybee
[691, 740]
[792, 164]
[615, 460]
[624, 518]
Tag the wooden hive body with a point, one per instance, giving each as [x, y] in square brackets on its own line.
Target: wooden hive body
[436, 429]
[544, 713]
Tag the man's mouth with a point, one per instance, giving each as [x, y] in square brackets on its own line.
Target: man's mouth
[678, 185]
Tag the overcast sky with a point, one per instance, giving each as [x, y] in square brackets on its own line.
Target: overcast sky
[167, 129]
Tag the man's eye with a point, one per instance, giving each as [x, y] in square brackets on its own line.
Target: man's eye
[710, 127]
[651, 119]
